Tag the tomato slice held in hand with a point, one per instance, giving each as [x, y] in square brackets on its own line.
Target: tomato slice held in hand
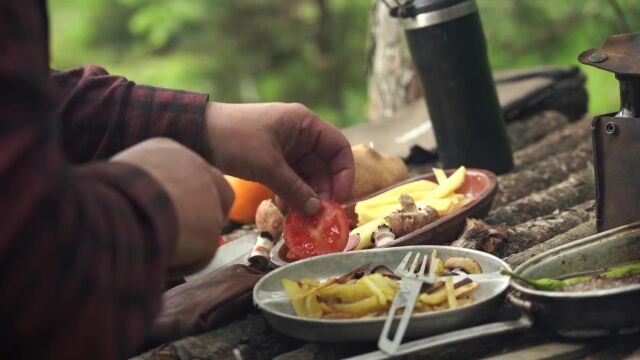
[324, 233]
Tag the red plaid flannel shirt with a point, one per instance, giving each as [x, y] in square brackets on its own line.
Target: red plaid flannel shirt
[82, 246]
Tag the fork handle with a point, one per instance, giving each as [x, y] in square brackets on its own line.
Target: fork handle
[390, 346]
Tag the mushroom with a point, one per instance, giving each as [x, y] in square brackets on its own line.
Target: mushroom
[469, 266]
[269, 219]
[383, 236]
[410, 218]
[385, 271]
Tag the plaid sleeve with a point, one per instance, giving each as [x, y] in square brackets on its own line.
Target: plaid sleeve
[83, 249]
[102, 114]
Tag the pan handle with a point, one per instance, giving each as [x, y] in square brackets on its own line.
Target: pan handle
[476, 332]
[523, 305]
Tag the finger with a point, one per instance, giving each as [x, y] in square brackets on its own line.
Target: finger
[317, 174]
[334, 149]
[290, 187]
[282, 205]
[343, 172]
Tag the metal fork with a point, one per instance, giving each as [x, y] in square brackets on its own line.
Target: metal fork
[406, 297]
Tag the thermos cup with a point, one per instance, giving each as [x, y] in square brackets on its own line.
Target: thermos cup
[449, 51]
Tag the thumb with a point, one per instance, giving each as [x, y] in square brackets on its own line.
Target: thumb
[293, 190]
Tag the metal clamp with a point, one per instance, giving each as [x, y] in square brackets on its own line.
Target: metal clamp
[440, 16]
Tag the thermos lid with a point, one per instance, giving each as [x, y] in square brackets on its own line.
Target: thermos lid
[417, 14]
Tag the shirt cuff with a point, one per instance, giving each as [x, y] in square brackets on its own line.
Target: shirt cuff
[179, 115]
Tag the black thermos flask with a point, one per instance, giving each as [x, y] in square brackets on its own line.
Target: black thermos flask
[449, 51]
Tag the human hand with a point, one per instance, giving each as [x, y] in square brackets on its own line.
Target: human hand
[283, 146]
[200, 196]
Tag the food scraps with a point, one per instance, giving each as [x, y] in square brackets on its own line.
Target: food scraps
[359, 295]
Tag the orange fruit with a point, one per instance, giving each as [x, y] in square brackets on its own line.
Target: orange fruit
[249, 195]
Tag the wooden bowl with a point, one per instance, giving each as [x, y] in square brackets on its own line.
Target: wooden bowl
[479, 185]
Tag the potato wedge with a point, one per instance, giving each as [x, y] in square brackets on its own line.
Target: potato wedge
[312, 307]
[377, 292]
[294, 291]
[363, 306]
[441, 177]
[451, 295]
[412, 187]
[450, 185]
[345, 293]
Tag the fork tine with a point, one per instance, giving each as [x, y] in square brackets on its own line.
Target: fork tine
[412, 270]
[403, 263]
[424, 264]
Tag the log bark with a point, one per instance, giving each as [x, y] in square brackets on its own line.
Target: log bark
[392, 82]
[585, 229]
[251, 337]
[506, 241]
[542, 174]
[578, 188]
[555, 142]
[534, 232]
[527, 131]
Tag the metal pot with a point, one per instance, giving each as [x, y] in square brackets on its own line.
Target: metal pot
[587, 313]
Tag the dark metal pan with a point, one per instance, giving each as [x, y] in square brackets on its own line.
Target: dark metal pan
[576, 315]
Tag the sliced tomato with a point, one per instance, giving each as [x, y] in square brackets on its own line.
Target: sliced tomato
[324, 233]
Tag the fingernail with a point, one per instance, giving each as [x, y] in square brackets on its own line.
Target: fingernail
[311, 206]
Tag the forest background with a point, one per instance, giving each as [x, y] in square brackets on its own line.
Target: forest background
[316, 52]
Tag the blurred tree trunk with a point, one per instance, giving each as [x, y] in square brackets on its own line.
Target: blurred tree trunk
[392, 81]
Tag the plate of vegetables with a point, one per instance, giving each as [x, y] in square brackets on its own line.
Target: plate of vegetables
[428, 209]
[346, 296]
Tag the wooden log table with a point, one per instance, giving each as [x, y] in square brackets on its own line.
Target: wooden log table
[545, 202]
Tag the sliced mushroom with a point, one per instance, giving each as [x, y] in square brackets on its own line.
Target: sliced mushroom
[383, 235]
[385, 271]
[470, 266]
[410, 218]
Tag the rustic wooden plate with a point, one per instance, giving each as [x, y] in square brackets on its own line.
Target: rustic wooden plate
[479, 185]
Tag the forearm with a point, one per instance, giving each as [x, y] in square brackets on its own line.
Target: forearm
[102, 114]
[82, 250]
[83, 258]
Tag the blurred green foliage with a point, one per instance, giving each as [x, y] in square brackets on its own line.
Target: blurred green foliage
[309, 51]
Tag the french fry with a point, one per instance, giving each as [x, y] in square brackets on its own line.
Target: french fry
[345, 292]
[363, 306]
[416, 186]
[441, 177]
[293, 290]
[451, 295]
[377, 292]
[435, 298]
[312, 307]
[450, 185]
